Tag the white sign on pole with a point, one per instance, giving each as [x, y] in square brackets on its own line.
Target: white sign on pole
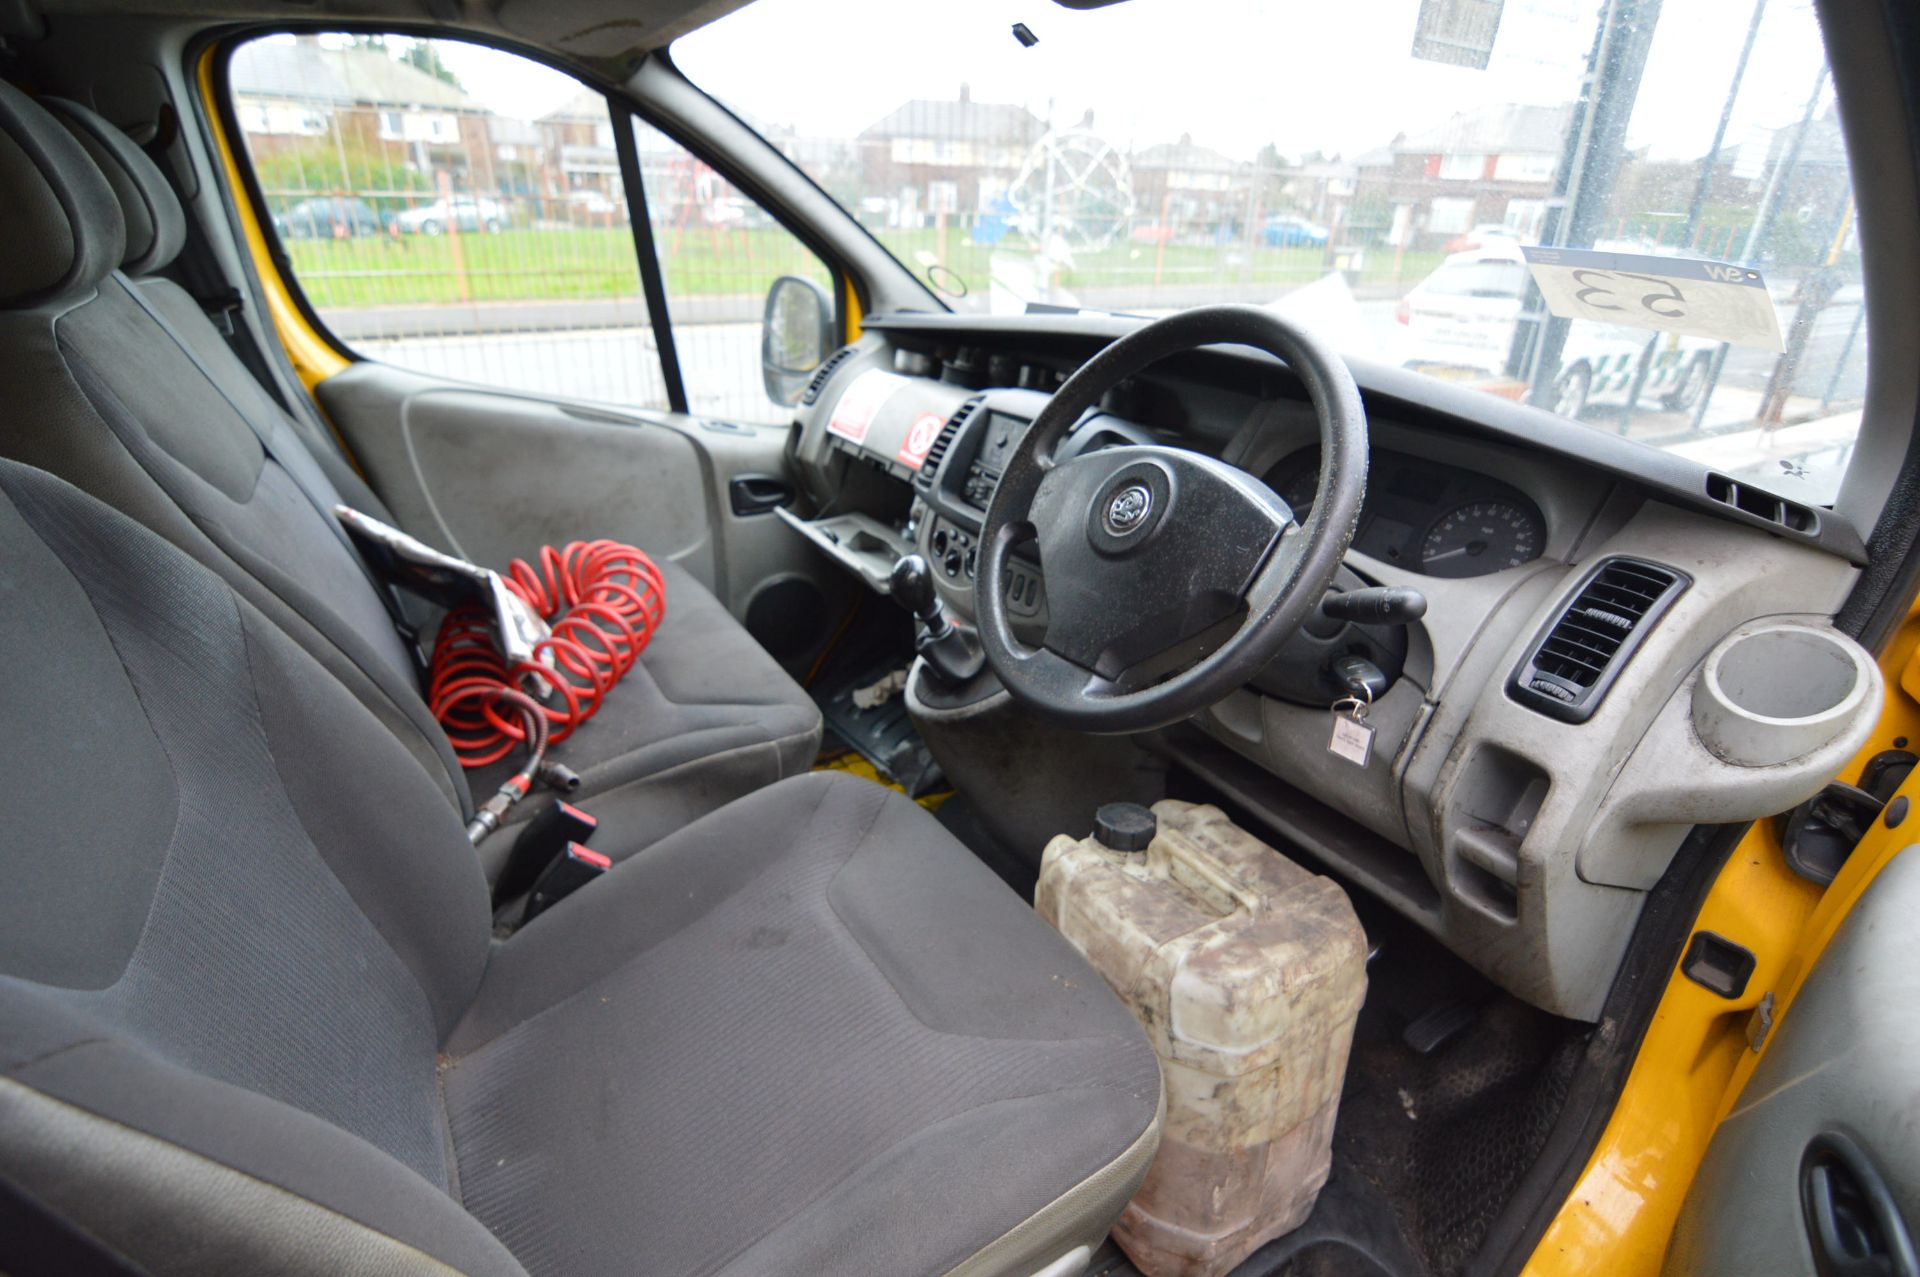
[1714, 300]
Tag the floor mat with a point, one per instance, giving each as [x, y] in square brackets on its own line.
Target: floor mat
[1429, 1145]
[1426, 1149]
[961, 818]
[845, 760]
[1446, 1138]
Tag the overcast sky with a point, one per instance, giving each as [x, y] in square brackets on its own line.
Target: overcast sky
[1331, 75]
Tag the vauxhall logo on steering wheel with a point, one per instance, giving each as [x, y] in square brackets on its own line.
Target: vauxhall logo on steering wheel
[1128, 508]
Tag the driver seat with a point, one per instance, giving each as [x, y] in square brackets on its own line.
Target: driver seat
[253, 1019]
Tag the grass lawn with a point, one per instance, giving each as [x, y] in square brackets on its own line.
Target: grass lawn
[596, 263]
[537, 265]
[1147, 266]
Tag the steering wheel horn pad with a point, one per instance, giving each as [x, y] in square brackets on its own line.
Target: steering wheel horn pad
[1129, 507]
[1144, 548]
[1200, 532]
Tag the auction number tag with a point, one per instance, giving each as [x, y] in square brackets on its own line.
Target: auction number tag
[1714, 300]
[1352, 738]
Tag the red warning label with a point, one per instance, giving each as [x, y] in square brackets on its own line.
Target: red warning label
[856, 409]
[920, 436]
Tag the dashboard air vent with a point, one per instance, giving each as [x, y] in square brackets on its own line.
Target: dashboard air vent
[823, 374]
[937, 451]
[1579, 655]
[1762, 505]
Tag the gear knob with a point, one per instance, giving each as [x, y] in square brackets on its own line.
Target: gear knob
[912, 584]
[952, 657]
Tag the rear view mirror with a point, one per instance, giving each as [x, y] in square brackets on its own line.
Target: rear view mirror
[796, 334]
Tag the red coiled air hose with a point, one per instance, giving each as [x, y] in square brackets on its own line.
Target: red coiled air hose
[601, 599]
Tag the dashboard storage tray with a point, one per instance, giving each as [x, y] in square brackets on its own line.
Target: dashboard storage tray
[863, 545]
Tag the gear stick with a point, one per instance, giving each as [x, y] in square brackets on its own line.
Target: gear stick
[952, 655]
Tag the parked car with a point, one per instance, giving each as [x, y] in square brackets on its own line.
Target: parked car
[1293, 232]
[726, 213]
[596, 205]
[1461, 321]
[470, 215]
[329, 217]
[1486, 235]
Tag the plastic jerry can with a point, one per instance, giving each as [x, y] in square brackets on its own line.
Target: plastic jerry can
[1247, 972]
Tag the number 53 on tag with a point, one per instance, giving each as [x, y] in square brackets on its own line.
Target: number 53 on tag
[1714, 300]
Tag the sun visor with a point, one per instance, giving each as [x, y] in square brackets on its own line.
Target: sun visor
[607, 28]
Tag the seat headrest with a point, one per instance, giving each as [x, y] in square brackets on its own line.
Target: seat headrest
[61, 231]
[156, 226]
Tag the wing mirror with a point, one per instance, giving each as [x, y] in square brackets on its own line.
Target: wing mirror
[796, 334]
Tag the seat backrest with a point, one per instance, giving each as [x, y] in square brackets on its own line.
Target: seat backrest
[156, 231]
[135, 398]
[236, 923]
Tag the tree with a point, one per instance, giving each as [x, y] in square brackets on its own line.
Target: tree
[1270, 169]
[422, 55]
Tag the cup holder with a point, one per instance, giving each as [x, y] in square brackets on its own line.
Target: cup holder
[1772, 694]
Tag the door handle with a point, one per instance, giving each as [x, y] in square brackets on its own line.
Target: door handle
[758, 493]
[1853, 1222]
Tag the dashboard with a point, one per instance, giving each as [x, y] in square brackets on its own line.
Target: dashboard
[1522, 835]
[1435, 519]
[1427, 517]
[956, 481]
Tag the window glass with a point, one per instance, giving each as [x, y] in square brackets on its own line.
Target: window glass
[719, 254]
[1328, 160]
[1478, 279]
[451, 209]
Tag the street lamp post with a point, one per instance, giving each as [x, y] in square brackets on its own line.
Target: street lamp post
[1588, 171]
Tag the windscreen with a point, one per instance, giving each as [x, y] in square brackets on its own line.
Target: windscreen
[1635, 213]
[1478, 279]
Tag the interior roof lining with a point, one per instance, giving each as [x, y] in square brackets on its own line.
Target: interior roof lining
[609, 34]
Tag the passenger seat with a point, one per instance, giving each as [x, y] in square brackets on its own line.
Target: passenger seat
[122, 386]
[252, 1019]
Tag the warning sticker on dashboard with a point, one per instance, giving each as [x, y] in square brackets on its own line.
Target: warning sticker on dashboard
[1715, 300]
[920, 436]
[861, 401]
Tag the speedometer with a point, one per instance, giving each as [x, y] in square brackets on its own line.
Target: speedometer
[1482, 537]
[1297, 481]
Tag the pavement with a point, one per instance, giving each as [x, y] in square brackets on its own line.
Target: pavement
[720, 364]
[461, 318]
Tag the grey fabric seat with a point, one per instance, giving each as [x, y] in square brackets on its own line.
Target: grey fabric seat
[252, 1018]
[119, 383]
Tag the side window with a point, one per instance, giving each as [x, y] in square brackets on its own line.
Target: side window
[459, 211]
[450, 209]
[719, 255]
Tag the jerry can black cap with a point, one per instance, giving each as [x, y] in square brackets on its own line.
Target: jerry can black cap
[1124, 827]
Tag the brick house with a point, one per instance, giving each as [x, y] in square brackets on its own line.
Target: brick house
[1491, 165]
[357, 109]
[954, 155]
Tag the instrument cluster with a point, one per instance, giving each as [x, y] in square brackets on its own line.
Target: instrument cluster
[1431, 518]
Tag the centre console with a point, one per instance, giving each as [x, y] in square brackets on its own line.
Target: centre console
[959, 476]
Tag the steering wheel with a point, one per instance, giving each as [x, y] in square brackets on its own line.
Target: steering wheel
[1154, 555]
